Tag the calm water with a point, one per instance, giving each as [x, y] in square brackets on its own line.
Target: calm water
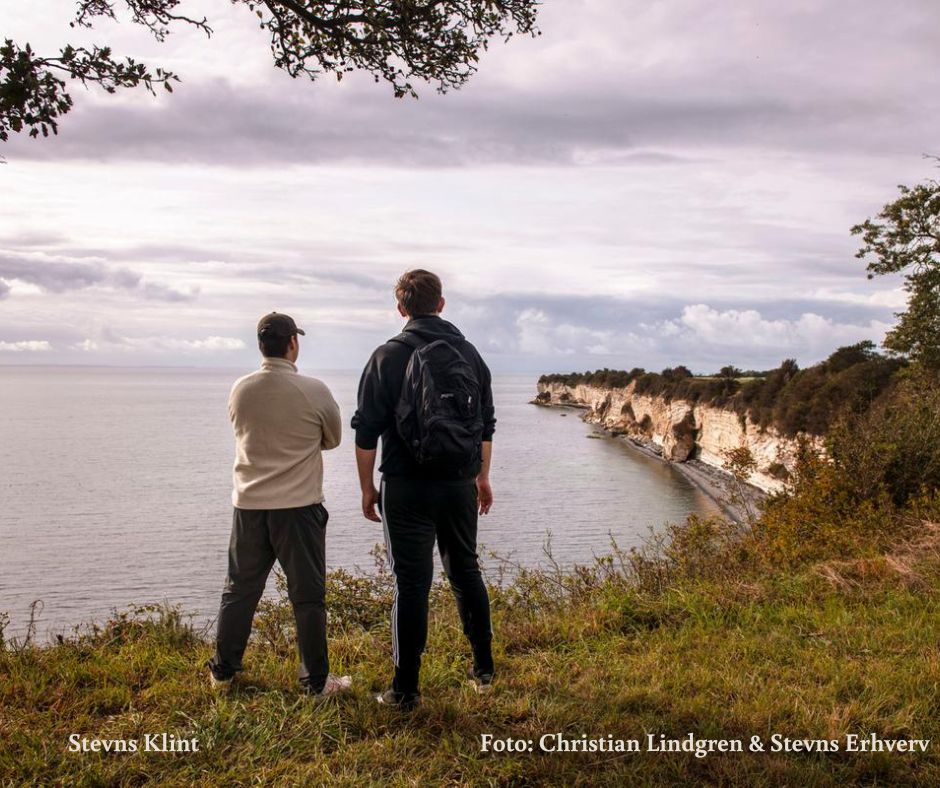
[115, 489]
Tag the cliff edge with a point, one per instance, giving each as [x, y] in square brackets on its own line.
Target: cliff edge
[680, 430]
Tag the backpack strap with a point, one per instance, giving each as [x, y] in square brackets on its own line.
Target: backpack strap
[410, 339]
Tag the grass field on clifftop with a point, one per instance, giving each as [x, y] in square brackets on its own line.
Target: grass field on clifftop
[834, 648]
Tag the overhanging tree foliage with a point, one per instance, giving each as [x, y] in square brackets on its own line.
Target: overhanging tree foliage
[398, 41]
[905, 237]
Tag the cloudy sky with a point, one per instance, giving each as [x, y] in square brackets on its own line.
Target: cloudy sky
[645, 184]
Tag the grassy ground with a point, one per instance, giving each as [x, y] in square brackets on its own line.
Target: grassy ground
[822, 651]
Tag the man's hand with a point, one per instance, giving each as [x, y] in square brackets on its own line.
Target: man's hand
[484, 494]
[370, 499]
[365, 463]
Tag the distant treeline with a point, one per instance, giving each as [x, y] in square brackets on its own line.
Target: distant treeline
[789, 398]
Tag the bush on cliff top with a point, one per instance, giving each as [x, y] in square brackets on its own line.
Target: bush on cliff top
[791, 399]
[880, 476]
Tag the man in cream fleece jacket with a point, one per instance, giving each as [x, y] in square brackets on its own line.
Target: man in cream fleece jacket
[282, 422]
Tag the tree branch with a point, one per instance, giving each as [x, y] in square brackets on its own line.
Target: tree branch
[438, 41]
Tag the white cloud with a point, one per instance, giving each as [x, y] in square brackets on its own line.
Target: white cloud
[894, 298]
[26, 346]
[700, 336]
[16, 287]
[210, 344]
[538, 335]
[574, 338]
[106, 342]
[37, 272]
[534, 330]
[747, 328]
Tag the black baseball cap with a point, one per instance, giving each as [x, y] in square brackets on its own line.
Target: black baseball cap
[279, 325]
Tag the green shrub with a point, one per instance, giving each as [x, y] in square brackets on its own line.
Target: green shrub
[879, 475]
[894, 446]
[821, 518]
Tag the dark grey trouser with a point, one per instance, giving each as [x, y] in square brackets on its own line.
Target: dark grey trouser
[296, 538]
[415, 513]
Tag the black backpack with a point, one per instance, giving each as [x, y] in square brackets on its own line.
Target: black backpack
[439, 416]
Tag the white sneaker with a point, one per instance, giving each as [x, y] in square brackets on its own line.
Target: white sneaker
[481, 682]
[220, 685]
[334, 685]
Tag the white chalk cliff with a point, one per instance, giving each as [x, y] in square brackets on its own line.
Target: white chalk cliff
[681, 430]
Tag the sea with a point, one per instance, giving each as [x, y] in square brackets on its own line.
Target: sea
[115, 490]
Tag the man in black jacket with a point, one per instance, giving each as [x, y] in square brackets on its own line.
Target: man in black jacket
[421, 501]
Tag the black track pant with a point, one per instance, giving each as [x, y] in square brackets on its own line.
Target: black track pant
[296, 538]
[414, 513]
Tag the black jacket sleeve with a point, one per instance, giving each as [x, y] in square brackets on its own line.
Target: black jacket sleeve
[374, 410]
[486, 401]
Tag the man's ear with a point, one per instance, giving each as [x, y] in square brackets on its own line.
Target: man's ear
[402, 312]
[440, 305]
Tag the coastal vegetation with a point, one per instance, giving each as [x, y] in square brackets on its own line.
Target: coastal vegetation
[905, 238]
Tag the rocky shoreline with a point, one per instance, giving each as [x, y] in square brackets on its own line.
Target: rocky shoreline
[684, 430]
[716, 483]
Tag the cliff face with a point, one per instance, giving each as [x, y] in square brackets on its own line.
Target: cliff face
[681, 430]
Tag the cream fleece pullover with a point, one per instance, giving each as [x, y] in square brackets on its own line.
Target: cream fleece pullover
[282, 422]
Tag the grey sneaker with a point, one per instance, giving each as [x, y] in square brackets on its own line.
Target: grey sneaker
[333, 686]
[403, 701]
